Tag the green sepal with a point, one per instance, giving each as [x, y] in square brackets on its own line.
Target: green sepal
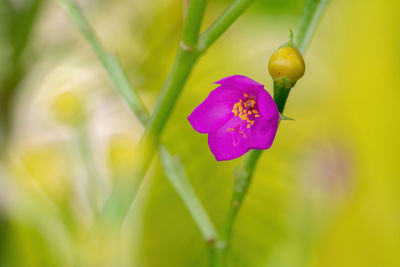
[290, 42]
[285, 118]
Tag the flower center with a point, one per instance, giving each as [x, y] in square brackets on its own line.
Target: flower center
[246, 110]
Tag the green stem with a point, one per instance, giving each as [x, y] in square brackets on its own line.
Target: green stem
[175, 173]
[242, 182]
[110, 63]
[309, 21]
[280, 96]
[223, 23]
[184, 63]
[191, 28]
[311, 16]
[241, 185]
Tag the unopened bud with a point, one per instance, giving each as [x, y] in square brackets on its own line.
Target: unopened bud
[286, 66]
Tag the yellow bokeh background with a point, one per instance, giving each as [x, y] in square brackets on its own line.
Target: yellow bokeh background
[325, 195]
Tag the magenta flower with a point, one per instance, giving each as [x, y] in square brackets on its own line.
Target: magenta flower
[239, 115]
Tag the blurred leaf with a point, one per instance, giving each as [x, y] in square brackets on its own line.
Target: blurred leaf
[20, 19]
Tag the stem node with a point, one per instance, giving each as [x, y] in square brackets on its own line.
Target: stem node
[210, 242]
[186, 47]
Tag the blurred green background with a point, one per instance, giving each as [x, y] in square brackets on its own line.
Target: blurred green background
[326, 194]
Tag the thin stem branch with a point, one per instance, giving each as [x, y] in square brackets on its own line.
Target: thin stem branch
[242, 182]
[170, 92]
[222, 23]
[191, 28]
[309, 21]
[311, 16]
[175, 173]
[110, 63]
[241, 185]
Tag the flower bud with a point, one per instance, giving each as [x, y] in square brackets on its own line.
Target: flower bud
[286, 66]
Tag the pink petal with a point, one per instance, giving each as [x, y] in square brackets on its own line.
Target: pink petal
[262, 134]
[266, 105]
[215, 110]
[241, 83]
[226, 144]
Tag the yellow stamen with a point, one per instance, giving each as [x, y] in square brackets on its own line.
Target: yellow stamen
[244, 109]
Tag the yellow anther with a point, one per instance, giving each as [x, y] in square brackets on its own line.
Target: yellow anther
[246, 95]
[243, 113]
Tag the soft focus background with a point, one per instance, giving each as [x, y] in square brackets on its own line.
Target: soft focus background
[326, 194]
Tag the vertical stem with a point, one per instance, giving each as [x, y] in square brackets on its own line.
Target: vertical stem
[311, 16]
[240, 187]
[184, 63]
[191, 28]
